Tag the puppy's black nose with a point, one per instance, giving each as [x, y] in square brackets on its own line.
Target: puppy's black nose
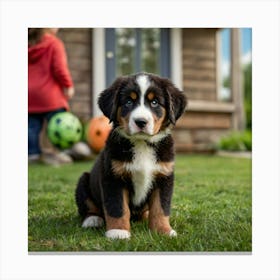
[141, 123]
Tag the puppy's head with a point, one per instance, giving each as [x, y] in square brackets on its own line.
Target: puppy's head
[142, 104]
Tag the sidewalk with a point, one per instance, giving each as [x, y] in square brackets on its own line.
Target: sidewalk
[234, 154]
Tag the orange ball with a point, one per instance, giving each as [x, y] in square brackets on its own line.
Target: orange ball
[98, 132]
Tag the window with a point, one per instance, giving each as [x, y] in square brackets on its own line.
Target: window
[150, 49]
[225, 65]
[125, 51]
[131, 50]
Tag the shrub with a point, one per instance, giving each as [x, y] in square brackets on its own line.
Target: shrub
[236, 141]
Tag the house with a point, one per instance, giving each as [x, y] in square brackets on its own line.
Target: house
[189, 56]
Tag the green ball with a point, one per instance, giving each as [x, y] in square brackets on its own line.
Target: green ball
[64, 130]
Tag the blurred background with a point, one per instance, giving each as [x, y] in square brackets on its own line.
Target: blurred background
[213, 67]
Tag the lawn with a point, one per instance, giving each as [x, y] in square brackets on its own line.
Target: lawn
[211, 210]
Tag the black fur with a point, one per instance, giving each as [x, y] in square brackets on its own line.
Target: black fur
[109, 98]
[82, 193]
[102, 186]
[176, 101]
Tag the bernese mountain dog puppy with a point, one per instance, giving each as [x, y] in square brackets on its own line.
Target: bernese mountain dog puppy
[132, 178]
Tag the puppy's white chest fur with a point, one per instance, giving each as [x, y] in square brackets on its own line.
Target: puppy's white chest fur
[142, 169]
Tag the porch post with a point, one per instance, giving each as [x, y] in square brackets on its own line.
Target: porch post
[176, 57]
[236, 81]
[98, 67]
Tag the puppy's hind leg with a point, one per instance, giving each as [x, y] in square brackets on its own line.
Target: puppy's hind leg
[86, 207]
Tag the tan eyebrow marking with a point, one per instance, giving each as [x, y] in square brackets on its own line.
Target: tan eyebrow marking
[151, 96]
[133, 95]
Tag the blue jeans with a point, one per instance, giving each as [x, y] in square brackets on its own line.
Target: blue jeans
[35, 124]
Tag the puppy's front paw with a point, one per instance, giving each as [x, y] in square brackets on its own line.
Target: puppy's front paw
[117, 234]
[93, 221]
[172, 233]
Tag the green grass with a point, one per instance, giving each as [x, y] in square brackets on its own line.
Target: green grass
[211, 210]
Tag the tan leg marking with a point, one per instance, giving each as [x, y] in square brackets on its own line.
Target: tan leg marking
[145, 215]
[157, 220]
[122, 222]
[92, 209]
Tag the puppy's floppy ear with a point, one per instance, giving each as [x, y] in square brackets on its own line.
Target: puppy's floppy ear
[108, 99]
[176, 100]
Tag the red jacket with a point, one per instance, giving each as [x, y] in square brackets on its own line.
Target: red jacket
[48, 74]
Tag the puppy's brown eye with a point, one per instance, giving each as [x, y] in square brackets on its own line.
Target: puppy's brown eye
[154, 103]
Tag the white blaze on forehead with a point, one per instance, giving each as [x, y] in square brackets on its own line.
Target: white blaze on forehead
[144, 83]
[141, 111]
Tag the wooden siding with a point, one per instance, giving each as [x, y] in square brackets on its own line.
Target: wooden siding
[199, 63]
[206, 119]
[197, 143]
[198, 120]
[78, 44]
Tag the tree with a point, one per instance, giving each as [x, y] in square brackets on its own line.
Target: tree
[247, 87]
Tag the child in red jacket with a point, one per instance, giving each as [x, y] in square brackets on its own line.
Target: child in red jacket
[50, 85]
